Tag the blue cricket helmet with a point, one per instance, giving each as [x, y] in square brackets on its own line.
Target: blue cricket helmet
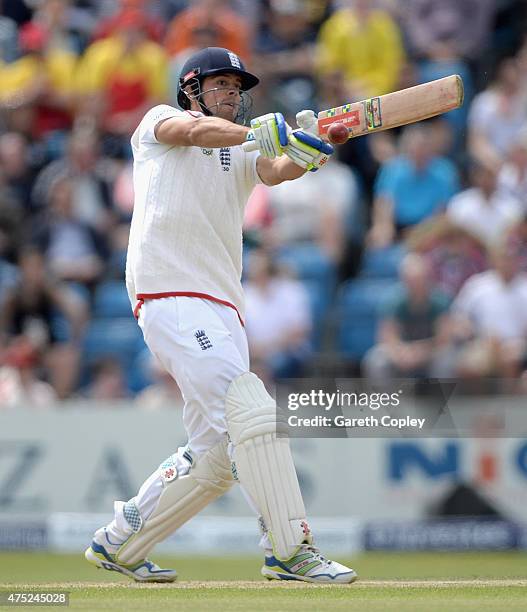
[207, 62]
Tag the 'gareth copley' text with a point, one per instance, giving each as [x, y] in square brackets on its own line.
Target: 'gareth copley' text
[369, 421]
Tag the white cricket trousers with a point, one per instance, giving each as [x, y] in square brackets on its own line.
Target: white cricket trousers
[203, 345]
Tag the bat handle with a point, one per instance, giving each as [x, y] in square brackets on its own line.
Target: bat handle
[249, 146]
[307, 121]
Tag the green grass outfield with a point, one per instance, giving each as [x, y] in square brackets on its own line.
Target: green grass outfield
[387, 581]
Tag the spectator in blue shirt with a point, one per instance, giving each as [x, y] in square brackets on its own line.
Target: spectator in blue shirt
[412, 187]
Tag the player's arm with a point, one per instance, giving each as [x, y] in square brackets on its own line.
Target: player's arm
[276, 171]
[199, 131]
[269, 133]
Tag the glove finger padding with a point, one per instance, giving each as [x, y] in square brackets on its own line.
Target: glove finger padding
[299, 157]
[270, 133]
[269, 139]
[283, 129]
[262, 139]
[308, 151]
[308, 141]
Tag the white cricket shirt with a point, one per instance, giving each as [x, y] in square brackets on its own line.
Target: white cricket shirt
[186, 231]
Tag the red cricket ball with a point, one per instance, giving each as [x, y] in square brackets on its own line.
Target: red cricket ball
[337, 133]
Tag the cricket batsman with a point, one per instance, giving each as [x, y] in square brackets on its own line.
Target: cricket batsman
[192, 180]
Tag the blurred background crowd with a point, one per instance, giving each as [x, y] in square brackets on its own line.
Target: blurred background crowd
[406, 256]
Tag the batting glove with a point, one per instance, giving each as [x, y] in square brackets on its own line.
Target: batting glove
[307, 150]
[270, 132]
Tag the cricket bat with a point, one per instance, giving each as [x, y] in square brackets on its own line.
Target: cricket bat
[384, 112]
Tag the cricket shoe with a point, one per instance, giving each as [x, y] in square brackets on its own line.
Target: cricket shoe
[308, 565]
[142, 571]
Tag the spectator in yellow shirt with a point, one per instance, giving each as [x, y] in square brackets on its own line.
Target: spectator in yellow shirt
[40, 83]
[364, 45]
[121, 76]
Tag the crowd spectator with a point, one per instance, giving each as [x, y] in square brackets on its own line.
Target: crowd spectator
[413, 336]
[29, 316]
[17, 173]
[234, 32]
[481, 209]
[278, 319]
[19, 12]
[52, 17]
[8, 271]
[76, 77]
[109, 26]
[465, 23]
[497, 114]
[306, 211]
[412, 187]
[91, 180]
[40, 82]
[107, 381]
[285, 56]
[120, 77]
[8, 38]
[202, 37]
[453, 253]
[73, 250]
[490, 316]
[512, 177]
[363, 44]
[443, 59]
[20, 386]
[516, 241]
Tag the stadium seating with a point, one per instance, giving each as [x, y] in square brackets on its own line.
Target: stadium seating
[139, 374]
[381, 263]
[358, 306]
[117, 337]
[111, 300]
[320, 303]
[308, 262]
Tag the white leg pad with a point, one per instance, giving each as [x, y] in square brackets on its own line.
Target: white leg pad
[209, 478]
[264, 463]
